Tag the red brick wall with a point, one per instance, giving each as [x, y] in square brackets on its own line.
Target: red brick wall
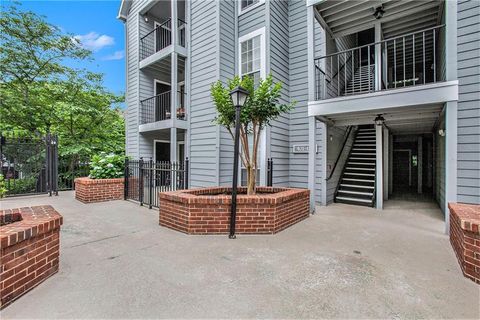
[202, 211]
[97, 190]
[29, 250]
[465, 238]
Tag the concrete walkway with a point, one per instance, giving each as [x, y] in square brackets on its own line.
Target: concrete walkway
[343, 262]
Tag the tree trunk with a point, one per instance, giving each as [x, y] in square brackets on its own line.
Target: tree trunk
[250, 180]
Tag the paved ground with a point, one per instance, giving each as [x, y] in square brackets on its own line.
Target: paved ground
[343, 262]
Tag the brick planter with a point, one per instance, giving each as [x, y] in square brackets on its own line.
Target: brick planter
[465, 238]
[207, 210]
[97, 190]
[30, 246]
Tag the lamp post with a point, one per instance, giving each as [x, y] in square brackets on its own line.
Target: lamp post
[239, 96]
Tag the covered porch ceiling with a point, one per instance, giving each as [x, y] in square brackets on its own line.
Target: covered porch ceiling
[344, 17]
[408, 120]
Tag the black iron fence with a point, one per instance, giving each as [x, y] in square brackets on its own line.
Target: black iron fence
[269, 172]
[68, 170]
[144, 179]
[29, 163]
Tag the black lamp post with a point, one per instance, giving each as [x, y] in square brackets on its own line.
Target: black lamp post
[239, 96]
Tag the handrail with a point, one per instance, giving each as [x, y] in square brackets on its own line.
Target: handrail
[380, 42]
[157, 95]
[320, 69]
[154, 29]
[340, 153]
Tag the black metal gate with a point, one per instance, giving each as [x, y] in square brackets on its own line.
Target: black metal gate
[29, 163]
[145, 179]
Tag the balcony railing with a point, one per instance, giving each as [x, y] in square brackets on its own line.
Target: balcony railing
[407, 60]
[158, 108]
[161, 37]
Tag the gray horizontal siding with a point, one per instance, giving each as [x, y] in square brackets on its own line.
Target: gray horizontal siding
[298, 89]
[251, 20]
[227, 61]
[279, 61]
[204, 54]
[468, 64]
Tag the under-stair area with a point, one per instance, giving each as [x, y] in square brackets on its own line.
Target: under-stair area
[357, 183]
[363, 81]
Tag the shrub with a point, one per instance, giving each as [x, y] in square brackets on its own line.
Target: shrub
[106, 166]
[3, 190]
[19, 186]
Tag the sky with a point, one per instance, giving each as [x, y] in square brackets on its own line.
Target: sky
[96, 25]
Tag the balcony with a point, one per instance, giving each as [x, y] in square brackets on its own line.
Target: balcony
[160, 38]
[407, 60]
[158, 110]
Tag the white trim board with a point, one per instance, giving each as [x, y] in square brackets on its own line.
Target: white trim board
[420, 95]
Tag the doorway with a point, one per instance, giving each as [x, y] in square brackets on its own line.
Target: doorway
[162, 100]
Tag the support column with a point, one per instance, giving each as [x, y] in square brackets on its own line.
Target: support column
[173, 144]
[390, 164]
[450, 158]
[378, 57]
[450, 110]
[386, 164]
[174, 87]
[379, 167]
[420, 165]
[312, 132]
[312, 122]
[174, 21]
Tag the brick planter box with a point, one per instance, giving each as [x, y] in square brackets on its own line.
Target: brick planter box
[97, 190]
[207, 210]
[30, 246]
[465, 238]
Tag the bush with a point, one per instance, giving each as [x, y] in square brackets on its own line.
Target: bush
[3, 190]
[20, 186]
[106, 166]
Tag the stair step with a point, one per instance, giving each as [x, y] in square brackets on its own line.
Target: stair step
[366, 159]
[354, 199]
[363, 149]
[356, 192]
[361, 163]
[363, 169]
[362, 153]
[364, 145]
[360, 174]
[355, 186]
[358, 180]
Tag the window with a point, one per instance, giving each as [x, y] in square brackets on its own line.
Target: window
[247, 3]
[252, 53]
[250, 58]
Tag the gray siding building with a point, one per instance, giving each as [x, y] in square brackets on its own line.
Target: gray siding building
[387, 93]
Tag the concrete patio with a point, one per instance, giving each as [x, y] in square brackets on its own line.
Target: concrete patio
[343, 262]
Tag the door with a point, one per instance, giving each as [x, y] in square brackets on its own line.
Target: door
[162, 160]
[162, 101]
[402, 170]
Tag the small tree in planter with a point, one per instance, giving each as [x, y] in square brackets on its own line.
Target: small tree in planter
[261, 107]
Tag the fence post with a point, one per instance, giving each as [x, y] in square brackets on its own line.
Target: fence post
[48, 167]
[186, 172]
[55, 164]
[270, 172]
[140, 181]
[125, 179]
[150, 184]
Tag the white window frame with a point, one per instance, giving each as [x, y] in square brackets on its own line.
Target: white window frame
[263, 137]
[250, 7]
[259, 32]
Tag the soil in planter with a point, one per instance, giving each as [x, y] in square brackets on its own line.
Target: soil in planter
[229, 193]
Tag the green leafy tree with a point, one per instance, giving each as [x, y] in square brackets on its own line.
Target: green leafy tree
[32, 53]
[40, 94]
[261, 107]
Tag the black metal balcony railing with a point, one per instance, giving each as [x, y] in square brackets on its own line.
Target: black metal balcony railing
[407, 60]
[158, 108]
[161, 37]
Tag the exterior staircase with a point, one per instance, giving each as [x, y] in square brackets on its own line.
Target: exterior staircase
[360, 83]
[357, 183]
